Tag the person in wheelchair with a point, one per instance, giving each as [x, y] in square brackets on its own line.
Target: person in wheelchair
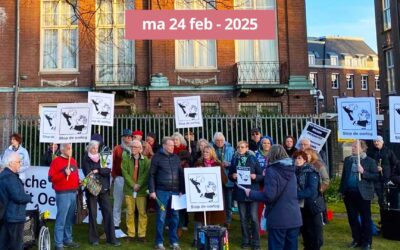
[13, 200]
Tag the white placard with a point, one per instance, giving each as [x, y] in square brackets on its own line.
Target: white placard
[103, 108]
[178, 202]
[357, 118]
[188, 112]
[48, 124]
[394, 118]
[316, 134]
[243, 175]
[203, 189]
[73, 122]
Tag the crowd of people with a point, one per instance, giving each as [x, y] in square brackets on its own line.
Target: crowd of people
[286, 188]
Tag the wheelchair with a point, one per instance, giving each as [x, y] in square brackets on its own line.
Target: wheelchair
[35, 231]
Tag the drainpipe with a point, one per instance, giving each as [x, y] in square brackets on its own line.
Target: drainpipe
[16, 86]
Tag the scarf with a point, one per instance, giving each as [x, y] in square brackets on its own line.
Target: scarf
[94, 158]
[208, 163]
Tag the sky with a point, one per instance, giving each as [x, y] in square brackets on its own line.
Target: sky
[355, 18]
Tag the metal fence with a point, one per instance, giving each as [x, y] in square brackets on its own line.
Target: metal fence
[235, 128]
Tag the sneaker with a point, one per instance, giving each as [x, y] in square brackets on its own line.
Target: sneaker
[176, 246]
[159, 247]
[184, 228]
[71, 245]
[166, 227]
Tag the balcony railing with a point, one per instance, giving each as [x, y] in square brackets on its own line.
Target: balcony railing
[108, 75]
[257, 72]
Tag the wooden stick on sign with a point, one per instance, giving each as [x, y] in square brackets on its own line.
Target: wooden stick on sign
[358, 158]
[68, 166]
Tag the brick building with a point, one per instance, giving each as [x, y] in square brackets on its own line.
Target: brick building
[61, 53]
[342, 67]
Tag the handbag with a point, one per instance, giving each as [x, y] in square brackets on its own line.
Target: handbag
[81, 207]
[93, 185]
[315, 206]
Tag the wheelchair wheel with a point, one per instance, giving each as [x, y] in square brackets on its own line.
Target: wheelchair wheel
[44, 239]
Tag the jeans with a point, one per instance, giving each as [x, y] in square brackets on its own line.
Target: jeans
[66, 204]
[357, 206]
[283, 239]
[165, 199]
[228, 203]
[118, 195]
[248, 216]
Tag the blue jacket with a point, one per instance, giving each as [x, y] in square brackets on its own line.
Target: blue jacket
[228, 152]
[307, 182]
[280, 195]
[254, 167]
[13, 197]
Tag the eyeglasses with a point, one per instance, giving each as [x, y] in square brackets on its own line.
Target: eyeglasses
[135, 147]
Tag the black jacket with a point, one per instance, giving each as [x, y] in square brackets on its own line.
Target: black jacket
[13, 197]
[388, 161]
[366, 184]
[103, 175]
[166, 173]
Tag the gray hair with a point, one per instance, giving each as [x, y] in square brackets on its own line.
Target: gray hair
[304, 139]
[136, 142]
[200, 141]
[63, 145]
[11, 157]
[180, 137]
[217, 135]
[92, 144]
[166, 139]
[277, 153]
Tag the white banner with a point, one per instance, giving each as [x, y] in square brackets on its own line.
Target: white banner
[188, 112]
[394, 118]
[48, 121]
[316, 134]
[73, 122]
[103, 108]
[357, 118]
[203, 189]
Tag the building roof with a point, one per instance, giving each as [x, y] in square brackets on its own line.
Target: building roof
[341, 46]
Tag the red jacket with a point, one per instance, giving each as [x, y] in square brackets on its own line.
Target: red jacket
[58, 177]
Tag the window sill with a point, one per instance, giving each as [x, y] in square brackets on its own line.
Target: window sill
[196, 70]
[59, 72]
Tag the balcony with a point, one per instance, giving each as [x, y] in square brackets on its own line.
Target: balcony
[257, 73]
[114, 76]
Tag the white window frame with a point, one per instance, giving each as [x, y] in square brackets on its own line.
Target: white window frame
[378, 102]
[114, 27]
[213, 105]
[313, 76]
[311, 59]
[377, 83]
[335, 83]
[387, 19]
[350, 81]
[60, 28]
[334, 60]
[197, 44]
[335, 102]
[364, 82]
[389, 70]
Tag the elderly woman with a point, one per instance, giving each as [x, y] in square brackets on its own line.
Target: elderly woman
[357, 188]
[16, 140]
[179, 142]
[246, 171]
[209, 159]
[224, 151]
[91, 163]
[135, 170]
[263, 150]
[201, 144]
[307, 192]
[312, 158]
[280, 197]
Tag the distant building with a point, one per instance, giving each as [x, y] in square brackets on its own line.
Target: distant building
[60, 60]
[342, 67]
